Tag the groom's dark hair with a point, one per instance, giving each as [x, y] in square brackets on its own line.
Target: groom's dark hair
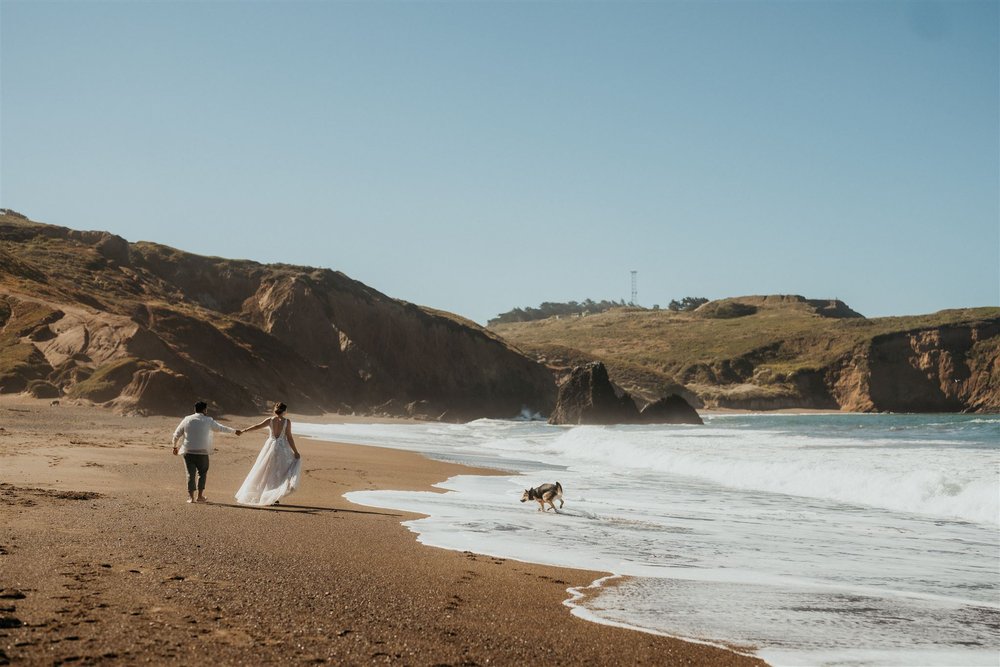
[200, 406]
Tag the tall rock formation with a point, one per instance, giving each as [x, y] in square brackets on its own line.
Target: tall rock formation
[587, 396]
[672, 409]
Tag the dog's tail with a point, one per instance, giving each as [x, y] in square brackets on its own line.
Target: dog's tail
[559, 488]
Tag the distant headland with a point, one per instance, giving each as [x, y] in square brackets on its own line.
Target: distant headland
[777, 352]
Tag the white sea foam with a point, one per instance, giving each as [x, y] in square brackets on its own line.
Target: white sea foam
[820, 540]
[930, 476]
[945, 483]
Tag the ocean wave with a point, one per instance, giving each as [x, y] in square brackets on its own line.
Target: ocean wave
[927, 475]
[935, 482]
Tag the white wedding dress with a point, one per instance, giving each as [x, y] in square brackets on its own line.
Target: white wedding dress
[275, 474]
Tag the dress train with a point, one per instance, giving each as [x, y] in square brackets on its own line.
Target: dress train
[274, 475]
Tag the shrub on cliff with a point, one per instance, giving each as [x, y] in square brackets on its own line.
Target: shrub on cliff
[686, 304]
[551, 309]
[727, 310]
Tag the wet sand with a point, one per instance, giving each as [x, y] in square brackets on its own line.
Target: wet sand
[103, 562]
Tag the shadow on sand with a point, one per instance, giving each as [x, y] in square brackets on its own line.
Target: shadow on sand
[301, 509]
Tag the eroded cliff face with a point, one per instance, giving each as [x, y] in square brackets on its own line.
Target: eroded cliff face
[945, 369]
[399, 352]
[938, 369]
[146, 328]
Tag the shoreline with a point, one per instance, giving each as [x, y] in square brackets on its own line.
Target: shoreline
[576, 594]
[479, 516]
[102, 561]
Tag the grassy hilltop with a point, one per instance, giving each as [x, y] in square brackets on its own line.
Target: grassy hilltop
[773, 351]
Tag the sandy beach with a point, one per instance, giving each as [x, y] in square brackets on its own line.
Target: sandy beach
[103, 562]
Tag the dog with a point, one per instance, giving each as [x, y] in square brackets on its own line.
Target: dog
[546, 493]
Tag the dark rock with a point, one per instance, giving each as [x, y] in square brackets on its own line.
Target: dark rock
[114, 248]
[426, 410]
[42, 334]
[43, 389]
[156, 391]
[588, 396]
[12, 384]
[671, 409]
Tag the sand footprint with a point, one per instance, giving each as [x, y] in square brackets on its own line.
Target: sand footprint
[10, 621]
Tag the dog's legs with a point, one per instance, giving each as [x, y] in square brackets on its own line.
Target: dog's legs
[541, 505]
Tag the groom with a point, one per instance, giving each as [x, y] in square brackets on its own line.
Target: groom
[197, 431]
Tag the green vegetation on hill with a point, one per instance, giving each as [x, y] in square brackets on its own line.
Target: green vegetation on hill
[583, 308]
[554, 309]
[687, 303]
[755, 347]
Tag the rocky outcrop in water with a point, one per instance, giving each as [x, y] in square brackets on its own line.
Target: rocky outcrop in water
[587, 396]
[671, 409]
[146, 328]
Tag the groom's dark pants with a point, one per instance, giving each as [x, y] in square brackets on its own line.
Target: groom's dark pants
[196, 463]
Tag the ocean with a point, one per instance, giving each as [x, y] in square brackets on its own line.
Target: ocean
[840, 539]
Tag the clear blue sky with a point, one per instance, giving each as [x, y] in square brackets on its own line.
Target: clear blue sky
[476, 156]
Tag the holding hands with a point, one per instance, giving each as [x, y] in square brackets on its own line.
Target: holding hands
[277, 421]
[273, 476]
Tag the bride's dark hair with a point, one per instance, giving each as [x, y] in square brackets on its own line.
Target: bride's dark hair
[279, 408]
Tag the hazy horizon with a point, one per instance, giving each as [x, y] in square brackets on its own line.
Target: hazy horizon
[476, 157]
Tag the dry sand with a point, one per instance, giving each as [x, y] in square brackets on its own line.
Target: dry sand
[103, 562]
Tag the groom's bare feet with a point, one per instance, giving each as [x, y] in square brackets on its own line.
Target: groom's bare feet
[202, 499]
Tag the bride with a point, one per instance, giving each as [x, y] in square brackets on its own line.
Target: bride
[278, 467]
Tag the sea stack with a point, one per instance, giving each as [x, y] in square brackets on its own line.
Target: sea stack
[588, 396]
[672, 409]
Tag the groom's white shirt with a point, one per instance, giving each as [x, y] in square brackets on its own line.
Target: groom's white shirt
[197, 431]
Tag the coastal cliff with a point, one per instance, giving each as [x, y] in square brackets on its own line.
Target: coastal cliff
[943, 369]
[784, 352]
[146, 328]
